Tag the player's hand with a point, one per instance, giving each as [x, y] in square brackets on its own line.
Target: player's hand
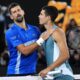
[43, 73]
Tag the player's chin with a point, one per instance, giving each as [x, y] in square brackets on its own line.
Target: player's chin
[40, 23]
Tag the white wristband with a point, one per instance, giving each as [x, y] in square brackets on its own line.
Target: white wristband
[40, 41]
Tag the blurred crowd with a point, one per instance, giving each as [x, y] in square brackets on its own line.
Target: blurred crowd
[68, 19]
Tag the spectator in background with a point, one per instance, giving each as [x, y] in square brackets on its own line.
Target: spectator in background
[2, 35]
[73, 41]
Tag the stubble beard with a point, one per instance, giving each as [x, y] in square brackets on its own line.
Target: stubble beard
[19, 19]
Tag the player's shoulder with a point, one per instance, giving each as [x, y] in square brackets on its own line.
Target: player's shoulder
[11, 30]
[61, 31]
[58, 32]
[32, 26]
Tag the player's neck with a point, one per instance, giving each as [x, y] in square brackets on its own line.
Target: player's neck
[49, 25]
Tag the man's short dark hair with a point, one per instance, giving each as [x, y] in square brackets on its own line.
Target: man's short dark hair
[51, 11]
[12, 5]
